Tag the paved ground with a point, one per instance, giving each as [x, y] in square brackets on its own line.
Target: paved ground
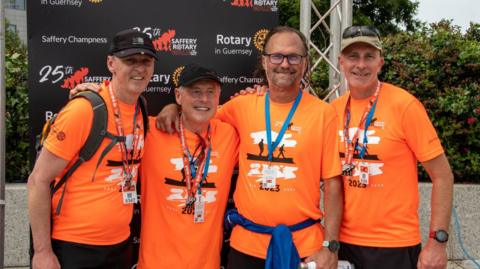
[463, 265]
[451, 265]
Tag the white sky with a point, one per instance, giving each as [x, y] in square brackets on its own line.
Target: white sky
[461, 11]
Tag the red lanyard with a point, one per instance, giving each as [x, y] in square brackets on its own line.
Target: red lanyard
[351, 143]
[127, 163]
[188, 162]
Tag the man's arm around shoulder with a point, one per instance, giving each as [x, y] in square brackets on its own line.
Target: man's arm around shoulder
[47, 167]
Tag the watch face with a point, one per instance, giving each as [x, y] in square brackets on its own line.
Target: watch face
[441, 236]
[334, 246]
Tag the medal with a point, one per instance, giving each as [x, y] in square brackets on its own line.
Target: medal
[347, 169]
[190, 200]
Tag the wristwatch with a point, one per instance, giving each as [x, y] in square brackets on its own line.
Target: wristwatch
[440, 235]
[332, 245]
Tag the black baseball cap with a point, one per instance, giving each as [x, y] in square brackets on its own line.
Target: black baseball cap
[194, 72]
[129, 42]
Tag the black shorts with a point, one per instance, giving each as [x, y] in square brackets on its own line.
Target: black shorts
[239, 260]
[379, 257]
[80, 256]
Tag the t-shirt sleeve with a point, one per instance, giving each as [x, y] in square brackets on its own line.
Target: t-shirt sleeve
[419, 132]
[227, 113]
[331, 165]
[70, 130]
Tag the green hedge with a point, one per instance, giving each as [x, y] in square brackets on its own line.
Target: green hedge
[441, 67]
[16, 117]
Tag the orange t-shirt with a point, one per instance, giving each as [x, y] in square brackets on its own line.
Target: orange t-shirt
[169, 236]
[92, 212]
[306, 153]
[384, 212]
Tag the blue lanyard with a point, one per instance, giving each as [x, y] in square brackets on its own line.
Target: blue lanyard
[271, 147]
[368, 120]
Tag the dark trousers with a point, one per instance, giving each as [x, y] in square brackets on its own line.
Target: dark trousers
[239, 260]
[80, 256]
[380, 258]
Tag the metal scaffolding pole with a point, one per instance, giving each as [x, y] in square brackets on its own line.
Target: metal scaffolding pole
[2, 131]
[335, 38]
[347, 13]
[305, 18]
[340, 13]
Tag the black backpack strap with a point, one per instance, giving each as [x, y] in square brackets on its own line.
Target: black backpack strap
[97, 133]
[62, 181]
[114, 140]
[143, 108]
[99, 124]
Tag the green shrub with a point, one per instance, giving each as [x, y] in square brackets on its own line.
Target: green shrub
[440, 66]
[16, 118]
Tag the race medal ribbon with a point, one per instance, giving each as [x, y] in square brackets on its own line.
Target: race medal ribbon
[129, 189]
[353, 144]
[270, 173]
[193, 168]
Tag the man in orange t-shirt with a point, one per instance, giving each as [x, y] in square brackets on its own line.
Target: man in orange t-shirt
[383, 131]
[92, 228]
[197, 163]
[278, 187]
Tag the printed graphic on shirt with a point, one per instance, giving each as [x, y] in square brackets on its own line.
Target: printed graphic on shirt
[371, 160]
[178, 190]
[278, 155]
[282, 162]
[134, 158]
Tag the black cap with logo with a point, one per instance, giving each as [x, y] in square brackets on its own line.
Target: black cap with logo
[130, 42]
[193, 72]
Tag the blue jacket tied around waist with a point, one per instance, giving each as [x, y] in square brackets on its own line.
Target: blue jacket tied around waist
[281, 253]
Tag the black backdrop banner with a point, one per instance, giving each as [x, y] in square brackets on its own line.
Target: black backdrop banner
[68, 42]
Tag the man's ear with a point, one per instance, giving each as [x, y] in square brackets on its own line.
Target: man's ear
[178, 96]
[264, 62]
[340, 63]
[110, 64]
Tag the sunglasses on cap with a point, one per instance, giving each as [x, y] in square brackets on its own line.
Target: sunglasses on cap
[364, 30]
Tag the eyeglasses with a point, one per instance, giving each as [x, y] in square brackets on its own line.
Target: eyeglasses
[364, 30]
[277, 58]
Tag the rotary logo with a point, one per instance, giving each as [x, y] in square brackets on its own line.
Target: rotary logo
[256, 5]
[176, 74]
[259, 39]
